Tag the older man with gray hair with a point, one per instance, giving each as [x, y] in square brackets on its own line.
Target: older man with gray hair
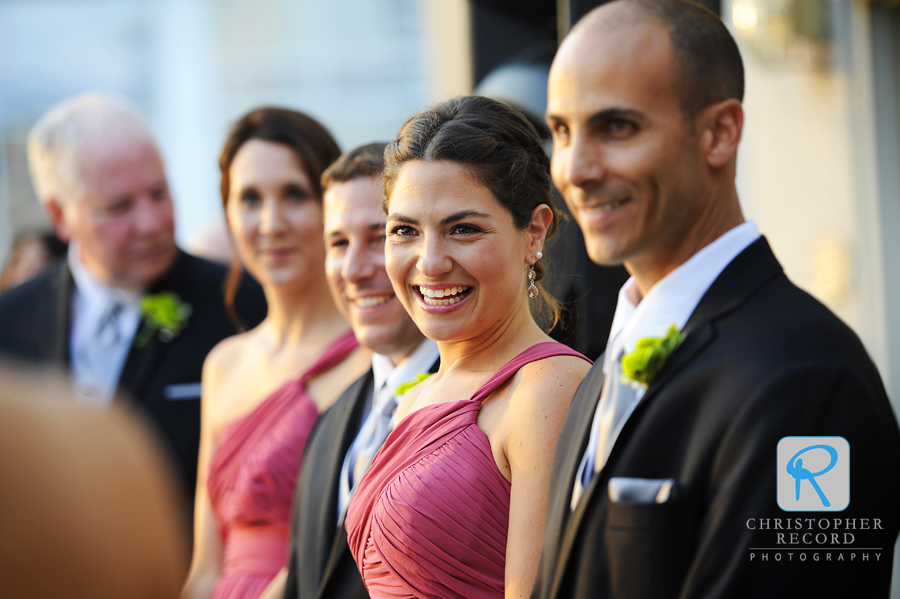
[127, 310]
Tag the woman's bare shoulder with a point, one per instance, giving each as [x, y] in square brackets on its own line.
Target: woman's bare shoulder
[223, 360]
[555, 372]
[549, 383]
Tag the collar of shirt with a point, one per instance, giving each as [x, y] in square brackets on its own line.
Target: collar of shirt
[94, 291]
[386, 374]
[92, 298]
[673, 299]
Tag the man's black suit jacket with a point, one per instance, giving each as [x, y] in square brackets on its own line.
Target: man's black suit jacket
[761, 360]
[35, 320]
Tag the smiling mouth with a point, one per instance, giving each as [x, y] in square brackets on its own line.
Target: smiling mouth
[278, 252]
[601, 208]
[443, 297]
[372, 300]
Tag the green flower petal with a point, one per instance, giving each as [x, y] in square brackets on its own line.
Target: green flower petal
[649, 356]
[402, 389]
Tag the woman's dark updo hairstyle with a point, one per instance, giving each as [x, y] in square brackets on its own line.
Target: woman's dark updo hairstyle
[310, 142]
[499, 148]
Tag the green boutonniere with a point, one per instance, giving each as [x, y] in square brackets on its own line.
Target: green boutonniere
[648, 358]
[163, 312]
[402, 389]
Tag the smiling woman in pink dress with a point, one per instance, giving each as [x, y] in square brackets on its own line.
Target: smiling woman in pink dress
[264, 389]
[454, 504]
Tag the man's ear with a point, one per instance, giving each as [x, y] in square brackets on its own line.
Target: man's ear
[721, 127]
[541, 217]
[56, 210]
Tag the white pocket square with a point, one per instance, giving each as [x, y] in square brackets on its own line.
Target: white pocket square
[640, 490]
[182, 391]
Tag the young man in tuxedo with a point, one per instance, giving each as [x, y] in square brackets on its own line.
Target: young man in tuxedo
[669, 479]
[347, 437]
[127, 310]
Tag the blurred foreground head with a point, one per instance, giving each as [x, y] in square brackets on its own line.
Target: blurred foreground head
[87, 507]
[100, 177]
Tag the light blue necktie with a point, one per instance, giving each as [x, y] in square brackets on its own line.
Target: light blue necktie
[371, 437]
[374, 438]
[94, 358]
[617, 400]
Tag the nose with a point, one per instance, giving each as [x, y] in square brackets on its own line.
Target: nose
[581, 163]
[433, 260]
[360, 262]
[153, 217]
[271, 218]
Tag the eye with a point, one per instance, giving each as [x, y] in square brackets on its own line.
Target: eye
[119, 208]
[339, 243]
[402, 231]
[159, 194]
[297, 194]
[250, 197]
[465, 229]
[560, 132]
[620, 128]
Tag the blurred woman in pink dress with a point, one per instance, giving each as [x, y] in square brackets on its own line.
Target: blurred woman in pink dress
[454, 504]
[264, 389]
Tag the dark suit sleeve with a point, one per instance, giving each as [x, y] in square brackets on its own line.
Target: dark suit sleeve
[820, 400]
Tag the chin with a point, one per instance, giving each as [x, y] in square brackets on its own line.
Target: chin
[145, 277]
[379, 340]
[601, 253]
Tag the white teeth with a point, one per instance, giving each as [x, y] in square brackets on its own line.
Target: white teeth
[607, 207]
[439, 293]
[375, 300]
[443, 297]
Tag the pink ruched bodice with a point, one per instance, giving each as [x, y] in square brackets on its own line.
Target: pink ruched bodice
[252, 477]
[430, 517]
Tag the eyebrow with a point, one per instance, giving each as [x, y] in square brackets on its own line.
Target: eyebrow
[456, 216]
[402, 218]
[603, 115]
[373, 228]
[610, 113]
[461, 215]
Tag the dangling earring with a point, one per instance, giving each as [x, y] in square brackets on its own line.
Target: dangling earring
[532, 288]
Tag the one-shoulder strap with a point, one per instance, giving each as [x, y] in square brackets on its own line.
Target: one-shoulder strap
[547, 349]
[332, 356]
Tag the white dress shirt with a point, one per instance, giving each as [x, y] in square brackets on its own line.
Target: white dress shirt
[670, 301]
[104, 322]
[387, 378]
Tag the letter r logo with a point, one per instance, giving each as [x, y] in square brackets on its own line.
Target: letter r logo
[813, 474]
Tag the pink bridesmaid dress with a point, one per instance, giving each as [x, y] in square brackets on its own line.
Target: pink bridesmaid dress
[252, 477]
[430, 517]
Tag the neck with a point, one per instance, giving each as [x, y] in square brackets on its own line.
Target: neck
[724, 213]
[300, 314]
[396, 357]
[490, 350]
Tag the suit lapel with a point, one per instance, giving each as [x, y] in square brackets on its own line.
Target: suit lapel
[751, 269]
[589, 396]
[59, 323]
[143, 362]
[566, 462]
[140, 365]
[327, 526]
[694, 342]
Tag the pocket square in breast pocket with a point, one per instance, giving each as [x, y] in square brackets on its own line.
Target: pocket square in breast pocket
[182, 391]
[641, 490]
